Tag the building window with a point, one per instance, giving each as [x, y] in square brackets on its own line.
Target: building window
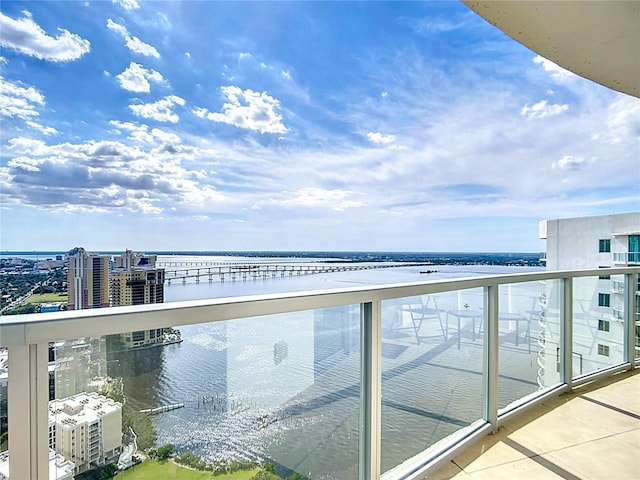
[603, 325]
[634, 248]
[604, 299]
[604, 277]
[604, 245]
[603, 350]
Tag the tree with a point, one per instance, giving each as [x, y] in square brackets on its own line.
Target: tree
[264, 475]
[109, 471]
[141, 424]
[28, 308]
[165, 451]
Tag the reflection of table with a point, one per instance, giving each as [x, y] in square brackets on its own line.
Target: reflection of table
[472, 314]
[516, 317]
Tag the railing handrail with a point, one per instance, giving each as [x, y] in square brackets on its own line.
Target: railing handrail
[27, 338]
[37, 328]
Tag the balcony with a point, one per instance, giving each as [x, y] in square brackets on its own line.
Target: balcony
[626, 258]
[533, 447]
[386, 382]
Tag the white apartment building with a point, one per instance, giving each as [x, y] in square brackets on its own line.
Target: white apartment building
[86, 429]
[59, 467]
[598, 302]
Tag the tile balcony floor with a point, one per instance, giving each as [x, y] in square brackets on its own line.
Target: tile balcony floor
[592, 433]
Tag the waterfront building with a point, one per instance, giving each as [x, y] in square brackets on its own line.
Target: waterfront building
[86, 429]
[136, 281]
[592, 242]
[59, 467]
[87, 279]
[602, 242]
[80, 365]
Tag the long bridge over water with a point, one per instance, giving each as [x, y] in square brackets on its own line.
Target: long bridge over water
[183, 270]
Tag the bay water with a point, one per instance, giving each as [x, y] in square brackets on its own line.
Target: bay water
[286, 388]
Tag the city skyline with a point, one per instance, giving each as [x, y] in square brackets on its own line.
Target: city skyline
[368, 126]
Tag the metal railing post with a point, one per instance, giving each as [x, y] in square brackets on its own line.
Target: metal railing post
[490, 362]
[566, 332]
[630, 285]
[370, 390]
[28, 409]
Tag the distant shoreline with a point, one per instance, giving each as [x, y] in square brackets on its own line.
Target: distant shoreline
[435, 258]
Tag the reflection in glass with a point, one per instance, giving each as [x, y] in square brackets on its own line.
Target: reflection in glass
[518, 331]
[598, 323]
[283, 389]
[4, 383]
[546, 313]
[432, 353]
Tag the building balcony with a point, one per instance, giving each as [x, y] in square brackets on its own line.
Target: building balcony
[626, 258]
[387, 382]
[534, 446]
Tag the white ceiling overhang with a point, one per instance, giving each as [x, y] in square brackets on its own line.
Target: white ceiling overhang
[598, 40]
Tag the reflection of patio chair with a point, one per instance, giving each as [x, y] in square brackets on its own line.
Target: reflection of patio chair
[423, 308]
[511, 318]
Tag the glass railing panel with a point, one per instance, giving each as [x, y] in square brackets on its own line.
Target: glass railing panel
[519, 331]
[4, 414]
[281, 389]
[85, 407]
[546, 333]
[598, 326]
[636, 319]
[432, 382]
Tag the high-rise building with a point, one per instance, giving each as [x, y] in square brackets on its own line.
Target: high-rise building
[87, 279]
[592, 242]
[598, 306]
[80, 364]
[136, 281]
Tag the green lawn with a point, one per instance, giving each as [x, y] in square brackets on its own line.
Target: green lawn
[152, 470]
[47, 298]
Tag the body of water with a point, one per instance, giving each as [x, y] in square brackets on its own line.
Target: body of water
[286, 388]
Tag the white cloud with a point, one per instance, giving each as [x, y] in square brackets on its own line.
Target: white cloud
[138, 46]
[133, 43]
[44, 130]
[432, 25]
[160, 110]
[27, 37]
[138, 133]
[317, 197]
[105, 176]
[623, 120]
[380, 139]
[569, 163]
[136, 78]
[247, 109]
[26, 145]
[556, 71]
[542, 109]
[165, 137]
[116, 27]
[25, 164]
[127, 4]
[19, 101]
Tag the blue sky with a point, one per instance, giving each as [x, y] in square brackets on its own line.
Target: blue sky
[408, 126]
